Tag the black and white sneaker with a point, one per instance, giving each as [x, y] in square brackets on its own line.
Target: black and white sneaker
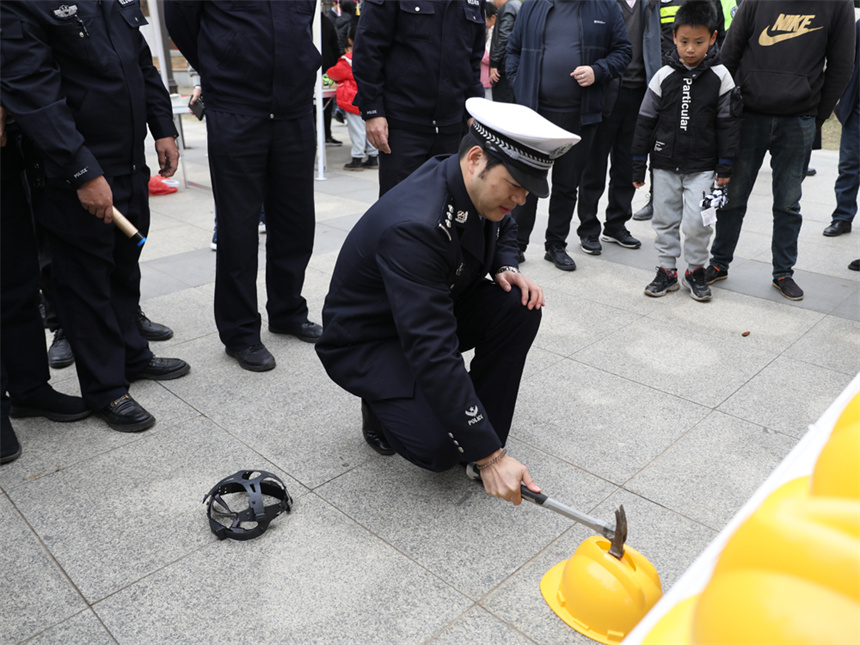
[665, 281]
[622, 238]
[695, 281]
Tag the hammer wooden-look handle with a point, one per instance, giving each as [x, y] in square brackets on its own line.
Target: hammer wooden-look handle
[127, 227]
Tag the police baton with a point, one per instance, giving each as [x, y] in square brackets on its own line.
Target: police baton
[127, 227]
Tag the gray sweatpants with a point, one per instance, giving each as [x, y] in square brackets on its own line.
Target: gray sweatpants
[677, 200]
[361, 145]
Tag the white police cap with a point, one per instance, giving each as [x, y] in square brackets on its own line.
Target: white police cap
[524, 141]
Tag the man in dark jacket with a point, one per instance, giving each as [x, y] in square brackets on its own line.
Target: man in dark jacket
[410, 293]
[562, 55]
[258, 65]
[415, 64]
[848, 182]
[791, 59]
[78, 78]
[505, 20]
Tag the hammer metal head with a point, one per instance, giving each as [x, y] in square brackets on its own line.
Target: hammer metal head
[616, 547]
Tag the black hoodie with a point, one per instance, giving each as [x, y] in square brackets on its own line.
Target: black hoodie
[776, 51]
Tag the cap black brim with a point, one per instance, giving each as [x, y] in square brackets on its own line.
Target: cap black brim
[536, 184]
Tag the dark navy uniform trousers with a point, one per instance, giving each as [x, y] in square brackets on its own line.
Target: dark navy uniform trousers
[258, 162]
[96, 283]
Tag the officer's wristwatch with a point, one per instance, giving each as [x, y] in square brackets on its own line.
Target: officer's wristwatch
[506, 268]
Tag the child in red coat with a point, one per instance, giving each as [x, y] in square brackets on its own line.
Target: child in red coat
[346, 90]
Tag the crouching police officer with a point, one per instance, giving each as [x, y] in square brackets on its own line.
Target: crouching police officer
[409, 294]
[78, 78]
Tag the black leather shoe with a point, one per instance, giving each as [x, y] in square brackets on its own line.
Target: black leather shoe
[163, 369]
[371, 428]
[255, 358]
[60, 352]
[559, 257]
[307, 331]
[590, 244]
[10, 448]
[49, 403]
[622, 238]
[854, 266]
[126, 415]
[811, 172]
[521, 256]
[152, 330]
[837, 227]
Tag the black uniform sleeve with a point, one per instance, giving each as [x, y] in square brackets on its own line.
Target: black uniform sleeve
[183, 24]
[159, 111]
[478, 48]
[507, 249]
[411, 266]
[374, 37]
[32, 93]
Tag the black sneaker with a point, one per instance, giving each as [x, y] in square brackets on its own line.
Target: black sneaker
[355, 164]
[714, 273]
[622, 238]
[665, 281]
[695, 281]
[590, 244]
[559, 257]
[371, 162]
[788, 288]
[60, 352]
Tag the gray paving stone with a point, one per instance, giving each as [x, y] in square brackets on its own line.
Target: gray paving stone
[293, 415]
[34, 592]
[676, 360]
[188, 313]
[668, 540]
[787, 396]
[572, 323]
[127, 513]
[479, 621]
[449, 525]
[81, 629]
[605, 424]
[833, 343]
[321, 578]
[772, 326]
[710, 472]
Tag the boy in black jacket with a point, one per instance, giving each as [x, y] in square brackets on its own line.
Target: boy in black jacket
[689, 124]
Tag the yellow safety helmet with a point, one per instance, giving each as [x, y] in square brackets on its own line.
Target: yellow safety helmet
[599, 595]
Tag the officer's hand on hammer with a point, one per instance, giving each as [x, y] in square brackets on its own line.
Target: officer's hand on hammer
[502, 479]
[531, 292]
[377, 132]
[97, 198]
[168, 156]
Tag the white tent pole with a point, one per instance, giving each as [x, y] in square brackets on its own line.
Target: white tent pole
[321, 160]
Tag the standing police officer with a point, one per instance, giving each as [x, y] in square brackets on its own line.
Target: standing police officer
[79, 80]
[415, 64]
[409, 294]
[258, 63]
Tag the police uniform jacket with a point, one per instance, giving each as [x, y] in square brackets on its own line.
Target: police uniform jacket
[417, 62]
[254, 58]
[388, 319]
[78, 78]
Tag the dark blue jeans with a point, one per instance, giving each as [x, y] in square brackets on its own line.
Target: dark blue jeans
[848, 182]
[789, 140]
